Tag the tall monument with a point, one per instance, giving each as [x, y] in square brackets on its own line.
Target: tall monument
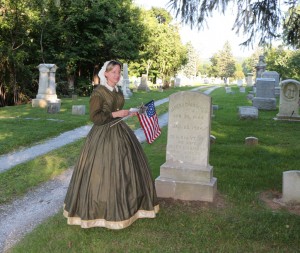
[47, 86]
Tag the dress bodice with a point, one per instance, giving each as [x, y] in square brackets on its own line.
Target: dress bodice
[103, 102]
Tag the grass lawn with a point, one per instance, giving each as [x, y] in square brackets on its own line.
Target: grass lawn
[238, 221]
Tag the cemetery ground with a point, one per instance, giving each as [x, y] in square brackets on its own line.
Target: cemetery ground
[243, 217]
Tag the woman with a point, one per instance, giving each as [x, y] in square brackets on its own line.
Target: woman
[111, 185]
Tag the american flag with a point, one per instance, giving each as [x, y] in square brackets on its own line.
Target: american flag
[149, 122]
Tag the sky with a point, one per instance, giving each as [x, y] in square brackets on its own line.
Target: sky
[211, 39]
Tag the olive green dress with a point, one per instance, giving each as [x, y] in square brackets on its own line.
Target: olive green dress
[111, 185]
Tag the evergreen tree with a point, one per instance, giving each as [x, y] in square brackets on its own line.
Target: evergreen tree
[258, 19]
[190, 69]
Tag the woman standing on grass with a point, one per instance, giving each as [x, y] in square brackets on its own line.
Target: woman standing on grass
[111, 185]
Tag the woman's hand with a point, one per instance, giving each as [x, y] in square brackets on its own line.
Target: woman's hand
[120, 114]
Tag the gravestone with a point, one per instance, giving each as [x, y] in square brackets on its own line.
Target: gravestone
[125, 82]
[250, 96]
[47, 86]
[251, 141]
[186, 174]
[53, 107]
[265, 94]
[289, 100]
[215, 107]
[239, 82]
[248, 112]
[242, 89]
[177, 82]
[78, 109]
[249, 79]
[228, 90]
[261, 66]
[291, 186]
[275, 75]
[144, 85]
[212, 139]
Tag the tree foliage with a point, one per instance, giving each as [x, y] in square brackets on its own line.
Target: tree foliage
[190, 69]
[291, 27]
[162, 53]
[16, 44]
[223, 63]
[257, 19]
[79, 36]
[285, 62]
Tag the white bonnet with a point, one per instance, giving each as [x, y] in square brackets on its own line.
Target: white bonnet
[102, 77]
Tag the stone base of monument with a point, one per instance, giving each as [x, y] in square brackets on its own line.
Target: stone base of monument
[43, 103]
[287, 118]
[264, 103]
[186, 182]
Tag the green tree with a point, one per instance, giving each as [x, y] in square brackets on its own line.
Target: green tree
[223, 63]
[293, 66]
[92, 32]
[250, 63]
[162, 54]
[203, 69]
[16, 50]
[226, 63]
[76, 35]
[213, 68]
[239, 74]
[284, 61]
[291, 27]
[190, 69]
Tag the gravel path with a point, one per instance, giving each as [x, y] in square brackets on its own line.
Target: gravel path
[23, 215]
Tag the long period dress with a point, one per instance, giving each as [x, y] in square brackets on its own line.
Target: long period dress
[111, 185]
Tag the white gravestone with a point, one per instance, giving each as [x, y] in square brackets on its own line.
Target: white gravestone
[291, 186]
[228, 90]
[249, 79]
[144, 83]
[289, 100]
[47, 86]
[125, 82]
[177, 82]
[186, 174]
[78, 109]
[239, 82]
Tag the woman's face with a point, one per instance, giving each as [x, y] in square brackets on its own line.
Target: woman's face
[113, 75]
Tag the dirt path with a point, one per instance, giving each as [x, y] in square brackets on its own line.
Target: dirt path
[23, 215]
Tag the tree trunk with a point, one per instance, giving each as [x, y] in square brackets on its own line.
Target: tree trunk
[2, 96]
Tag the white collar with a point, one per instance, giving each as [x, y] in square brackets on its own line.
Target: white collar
[111, 88]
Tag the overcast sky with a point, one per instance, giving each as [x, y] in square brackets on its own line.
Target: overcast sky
[211, 40]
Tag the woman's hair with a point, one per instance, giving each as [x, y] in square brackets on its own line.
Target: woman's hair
[111, 64]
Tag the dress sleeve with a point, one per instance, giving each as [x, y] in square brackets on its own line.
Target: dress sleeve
[99, 112]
